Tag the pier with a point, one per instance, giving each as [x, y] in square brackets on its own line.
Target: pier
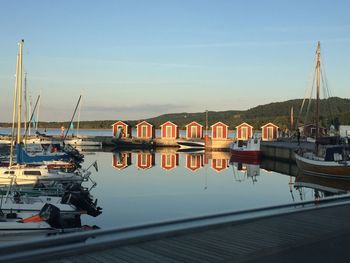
[313, 230]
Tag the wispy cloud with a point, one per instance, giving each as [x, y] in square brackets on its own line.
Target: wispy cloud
[155, 108]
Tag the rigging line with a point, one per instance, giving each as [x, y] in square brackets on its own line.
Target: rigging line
[310, 100]
[327, 93]
[308, 85]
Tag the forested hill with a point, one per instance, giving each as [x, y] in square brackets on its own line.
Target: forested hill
[334, 108]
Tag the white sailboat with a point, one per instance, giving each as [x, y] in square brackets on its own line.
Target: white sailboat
[80, 140]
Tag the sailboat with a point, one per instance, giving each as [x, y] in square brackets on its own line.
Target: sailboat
[79, 140]
[332, 161]
[22, 172]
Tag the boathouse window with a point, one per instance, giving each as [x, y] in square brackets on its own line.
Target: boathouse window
[31, 172]
[168, 132]
[144, 131]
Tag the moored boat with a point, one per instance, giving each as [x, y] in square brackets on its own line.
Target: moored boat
[246, 151]
[334, 163]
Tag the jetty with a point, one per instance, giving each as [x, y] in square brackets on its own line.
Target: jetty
[304, 231]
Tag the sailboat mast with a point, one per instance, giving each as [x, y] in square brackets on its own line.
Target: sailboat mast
[14, 112]
[19, 77]
[318, 77]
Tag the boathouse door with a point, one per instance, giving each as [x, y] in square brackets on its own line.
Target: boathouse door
[244, 133]
[219, 132]
[144, 131]
[270, 133]
[194, 132]
[168, 132]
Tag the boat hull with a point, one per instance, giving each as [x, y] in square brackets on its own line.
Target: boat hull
[246, 156]
[320, 168]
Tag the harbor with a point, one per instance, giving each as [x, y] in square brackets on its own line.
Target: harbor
[174, 132]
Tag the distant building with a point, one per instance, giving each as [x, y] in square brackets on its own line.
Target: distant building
[169, 160]
[145, 160]
[269, 132]
[344, 130]
[121, 160]
[121, 129]
[219, 165]
[145, 130]
[309, 130]
[244, 131]
[194, 162]
[169, 130]
[219, 131]
[194, 130]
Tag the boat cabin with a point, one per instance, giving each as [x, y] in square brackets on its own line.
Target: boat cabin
[145, 160]
[244, 131]
[121, 160]
[169, 160]
[121, 129]
[219, 131]
[194, 130]
[145, 130]
[169, 130]
[269, 132]
[309, 130]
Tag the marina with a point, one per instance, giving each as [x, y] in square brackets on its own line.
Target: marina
[174, 132]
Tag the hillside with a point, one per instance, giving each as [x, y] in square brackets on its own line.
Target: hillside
[334, 108]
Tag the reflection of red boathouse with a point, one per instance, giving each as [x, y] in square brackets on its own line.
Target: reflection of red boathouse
[169, 160]
[145, 160]
[194, 162]
[121, 160]
[219, 165]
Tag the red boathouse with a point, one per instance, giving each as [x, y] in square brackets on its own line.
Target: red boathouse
[169, 160]
[244, 131]
[194, 162]
[145, 130]
[218, 165]
[121, 130]
[194, 130]
[169, 130]
[121, 161]
[219, 131]
[145, 160]
[269, 132]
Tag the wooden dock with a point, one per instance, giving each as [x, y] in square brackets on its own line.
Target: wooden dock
[304, 231]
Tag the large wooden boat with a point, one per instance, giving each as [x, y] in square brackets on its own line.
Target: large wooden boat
[332, 161]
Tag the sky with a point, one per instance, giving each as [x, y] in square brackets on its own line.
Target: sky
[140, 59]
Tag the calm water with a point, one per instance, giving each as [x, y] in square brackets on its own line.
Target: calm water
[141, 187]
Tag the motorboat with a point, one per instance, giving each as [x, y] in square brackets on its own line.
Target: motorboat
[186, 146]
[246, 150]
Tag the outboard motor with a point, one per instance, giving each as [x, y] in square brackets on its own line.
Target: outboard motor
[76, 195]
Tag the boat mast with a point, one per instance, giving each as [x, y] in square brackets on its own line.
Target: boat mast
[14, 112]
[19, 77]
[318, 77]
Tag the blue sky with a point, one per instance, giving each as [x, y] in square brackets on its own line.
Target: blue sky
[139, 59]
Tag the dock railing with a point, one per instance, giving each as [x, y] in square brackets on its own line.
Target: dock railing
[96, 240]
